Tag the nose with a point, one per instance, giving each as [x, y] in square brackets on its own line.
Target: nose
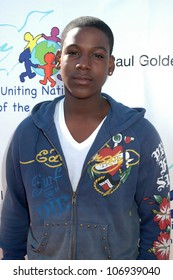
[83, 63]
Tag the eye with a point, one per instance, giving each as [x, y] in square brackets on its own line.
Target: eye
[73, 53]
[98, 56]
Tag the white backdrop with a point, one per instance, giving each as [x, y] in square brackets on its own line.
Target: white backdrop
[144, 60]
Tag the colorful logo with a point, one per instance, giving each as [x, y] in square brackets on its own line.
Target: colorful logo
[38, 57]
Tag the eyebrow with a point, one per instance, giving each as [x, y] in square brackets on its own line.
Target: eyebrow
[96, 47]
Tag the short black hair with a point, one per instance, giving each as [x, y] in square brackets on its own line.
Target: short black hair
[89, 21]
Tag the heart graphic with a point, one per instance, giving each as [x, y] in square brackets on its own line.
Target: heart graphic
[110, 159]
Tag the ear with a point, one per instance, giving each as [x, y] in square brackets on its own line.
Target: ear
[58, 59]
[111, 65]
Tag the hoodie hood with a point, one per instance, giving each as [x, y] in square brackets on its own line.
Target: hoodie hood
[43, 113]
[120, 116]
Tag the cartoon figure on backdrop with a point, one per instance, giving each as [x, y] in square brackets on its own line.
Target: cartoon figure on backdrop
[25, 58]
[53, 35]
[31, 40]
[57, 58]
[48, 69]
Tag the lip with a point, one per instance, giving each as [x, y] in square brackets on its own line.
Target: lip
[82, 79]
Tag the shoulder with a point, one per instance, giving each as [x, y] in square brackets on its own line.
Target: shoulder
[41, 117]
[146, 129]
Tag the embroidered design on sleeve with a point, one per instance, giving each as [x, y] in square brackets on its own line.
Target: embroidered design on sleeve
[161, 246]
[163, 180]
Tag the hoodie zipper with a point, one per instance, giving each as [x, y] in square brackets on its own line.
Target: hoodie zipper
[73, 225]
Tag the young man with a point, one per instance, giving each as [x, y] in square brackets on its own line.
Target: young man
[87, 176]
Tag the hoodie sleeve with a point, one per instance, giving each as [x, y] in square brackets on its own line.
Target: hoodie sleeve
[14, 216]
[153, 197]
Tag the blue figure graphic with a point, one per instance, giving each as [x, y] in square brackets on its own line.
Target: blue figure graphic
[25, 57]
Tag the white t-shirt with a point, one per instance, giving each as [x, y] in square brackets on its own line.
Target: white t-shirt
[74, 152]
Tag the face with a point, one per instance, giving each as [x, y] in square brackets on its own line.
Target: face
[85, 61]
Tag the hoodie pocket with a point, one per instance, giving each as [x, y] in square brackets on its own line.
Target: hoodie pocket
[50, 241]
[92, 242]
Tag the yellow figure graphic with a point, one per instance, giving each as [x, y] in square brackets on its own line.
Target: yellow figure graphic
[28, 37]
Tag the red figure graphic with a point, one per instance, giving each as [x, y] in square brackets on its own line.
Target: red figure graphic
[48, 69]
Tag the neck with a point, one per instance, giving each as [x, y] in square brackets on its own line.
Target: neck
[93, 107]
[82, 116]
